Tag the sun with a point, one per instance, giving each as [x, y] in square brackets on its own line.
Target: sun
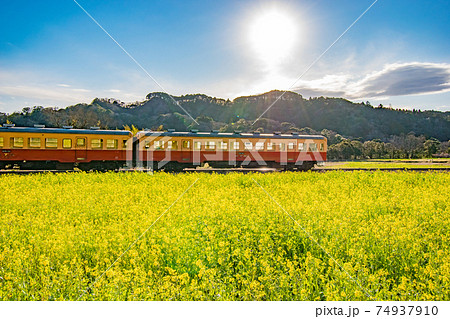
[272, 35]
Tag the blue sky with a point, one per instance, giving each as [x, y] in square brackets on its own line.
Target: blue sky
[53, 54]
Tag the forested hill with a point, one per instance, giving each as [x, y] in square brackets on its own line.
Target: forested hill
[291, 113]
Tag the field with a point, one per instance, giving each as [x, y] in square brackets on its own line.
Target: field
[388, 163]
[334, 236]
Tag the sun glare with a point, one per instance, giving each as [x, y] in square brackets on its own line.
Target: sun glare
[272, 36]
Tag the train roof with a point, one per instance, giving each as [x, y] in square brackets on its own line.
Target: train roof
[67, 130]
[232, 135]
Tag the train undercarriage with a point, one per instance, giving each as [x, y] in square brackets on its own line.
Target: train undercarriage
[178, 167]
[58, 166]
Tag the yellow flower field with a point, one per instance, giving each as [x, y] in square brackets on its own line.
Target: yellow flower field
[225, 238]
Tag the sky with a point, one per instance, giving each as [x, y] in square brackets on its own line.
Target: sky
[53, 54]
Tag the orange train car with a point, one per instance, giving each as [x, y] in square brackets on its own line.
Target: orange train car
[66, 148]
[174, 151]
[62, 148]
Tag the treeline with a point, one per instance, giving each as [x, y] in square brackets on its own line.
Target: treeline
[398, 147]
[354, 130]
[347, 148]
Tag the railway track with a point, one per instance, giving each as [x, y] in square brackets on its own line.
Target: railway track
[239, 170]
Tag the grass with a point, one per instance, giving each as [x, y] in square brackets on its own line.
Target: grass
[225, 238]
[385, 163]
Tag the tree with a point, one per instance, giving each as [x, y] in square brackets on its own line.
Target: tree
[357, 149]
[133, 129]
[410, 145]
[445, 148]
[345, 150]
[332, 136]
[26, 111]
[3, 118]
[431, 147]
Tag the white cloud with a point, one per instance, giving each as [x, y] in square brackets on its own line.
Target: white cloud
[407, 79]
[42, 93]
[442, 108]
[81, 90]
[21, 88]
[396, 79]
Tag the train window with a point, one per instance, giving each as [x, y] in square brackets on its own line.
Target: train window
[210, 145]
[223, 145]
[235, 145]
[67, 143]
[301, 146]
[34, 142]
[51, 142]
[259, 146]
[158, 145]
[1, 141]
[291, 146]
[172, 145]
[17, 142]
[124, 144]
[282, 147]
[313, 147]
[197, 145]
[248, 145]
[321, 146]
[81, 142]
[112, 144]
[269, 146]
[97, 143]
[186, 144]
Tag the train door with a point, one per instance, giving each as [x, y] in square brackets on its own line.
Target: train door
[186, 151]
[80, 149]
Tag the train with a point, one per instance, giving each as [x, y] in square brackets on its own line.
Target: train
[68, 148]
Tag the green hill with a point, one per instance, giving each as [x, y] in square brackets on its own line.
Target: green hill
[291, 112]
